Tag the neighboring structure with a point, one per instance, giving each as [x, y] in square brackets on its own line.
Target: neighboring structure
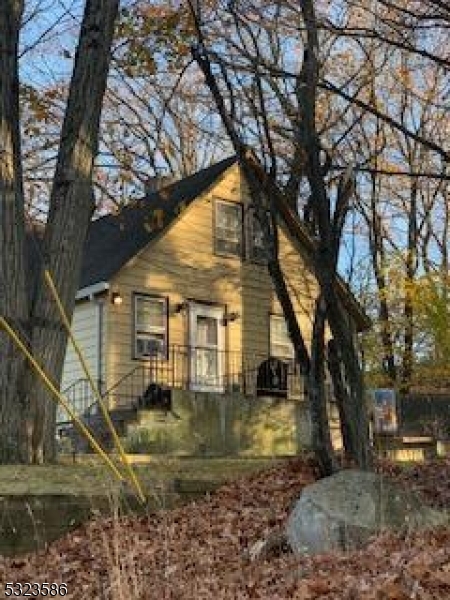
[174, 291]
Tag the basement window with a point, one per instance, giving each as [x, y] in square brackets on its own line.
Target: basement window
[280, 342]
[150, 326]
[228, 228]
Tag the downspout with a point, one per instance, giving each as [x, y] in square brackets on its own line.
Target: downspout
[100, 325]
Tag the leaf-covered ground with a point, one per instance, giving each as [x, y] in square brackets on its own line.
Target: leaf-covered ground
[200, 551]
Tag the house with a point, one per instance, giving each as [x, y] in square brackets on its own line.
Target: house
[174, 290]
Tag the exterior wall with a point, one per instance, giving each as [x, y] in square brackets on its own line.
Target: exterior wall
[85, 327]
[204, 424]
[182, 266]
[259, 299]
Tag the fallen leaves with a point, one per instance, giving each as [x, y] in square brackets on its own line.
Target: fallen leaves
[430, 478]
[201, 551]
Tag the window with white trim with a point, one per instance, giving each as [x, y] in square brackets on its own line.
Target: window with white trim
[228, 228]
[150, 326]
[280, 342]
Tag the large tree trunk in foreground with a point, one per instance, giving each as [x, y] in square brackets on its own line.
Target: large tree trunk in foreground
[349, 388]
[329, 228]
[312, 363]
[13, 291]
[334, 368]
[321, 435]
[264, 192]
[71, 206]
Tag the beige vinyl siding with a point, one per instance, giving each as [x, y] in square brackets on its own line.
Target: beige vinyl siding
[181, 265]
[85, 328]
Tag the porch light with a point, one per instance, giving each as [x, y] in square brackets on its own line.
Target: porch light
[230, 317]
[116, 298]
[180, 307]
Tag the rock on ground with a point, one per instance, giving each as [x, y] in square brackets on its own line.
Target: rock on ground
[343, 511]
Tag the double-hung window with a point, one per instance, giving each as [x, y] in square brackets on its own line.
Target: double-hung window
[150, 326]
[280, 342]
[228, 228]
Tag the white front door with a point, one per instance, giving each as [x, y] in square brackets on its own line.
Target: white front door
[207, 347]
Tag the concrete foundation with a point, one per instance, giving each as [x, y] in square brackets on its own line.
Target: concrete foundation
[207, 424]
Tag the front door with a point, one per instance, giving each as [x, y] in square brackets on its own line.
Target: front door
[207, 347]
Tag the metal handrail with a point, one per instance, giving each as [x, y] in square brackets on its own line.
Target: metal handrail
[177, 369]
[70, 391]
[235, 371]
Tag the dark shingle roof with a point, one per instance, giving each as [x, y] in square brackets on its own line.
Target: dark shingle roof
[114, 239]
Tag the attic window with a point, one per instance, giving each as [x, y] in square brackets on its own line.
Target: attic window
[228, 228]
[150, 326]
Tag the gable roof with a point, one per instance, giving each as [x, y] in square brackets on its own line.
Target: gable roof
[114, 239]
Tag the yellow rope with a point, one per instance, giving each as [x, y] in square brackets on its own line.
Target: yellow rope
[51, 285]
[60, 398]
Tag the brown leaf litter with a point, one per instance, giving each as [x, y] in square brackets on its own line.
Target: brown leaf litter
[201, 551]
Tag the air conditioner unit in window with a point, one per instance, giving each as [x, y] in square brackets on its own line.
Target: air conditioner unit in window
[149, 347]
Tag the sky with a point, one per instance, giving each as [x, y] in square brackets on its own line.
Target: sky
[48, 40]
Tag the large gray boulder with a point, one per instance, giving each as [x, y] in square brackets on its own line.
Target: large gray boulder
[341, 512]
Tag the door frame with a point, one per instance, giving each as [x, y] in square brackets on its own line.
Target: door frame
[217, 311]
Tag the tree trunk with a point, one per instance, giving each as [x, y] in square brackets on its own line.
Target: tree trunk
[384, 317]
[71, 206]
[321, 438]
[13, 291]
[334, 367]
[329, 227]
[408, 308]
[354, 409]
[264, 193]
[312, 366]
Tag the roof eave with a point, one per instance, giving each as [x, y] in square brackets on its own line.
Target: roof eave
[92, 290]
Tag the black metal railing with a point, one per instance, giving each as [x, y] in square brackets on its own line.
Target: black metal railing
[198, 369]
[79, 396]
[210, 370]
